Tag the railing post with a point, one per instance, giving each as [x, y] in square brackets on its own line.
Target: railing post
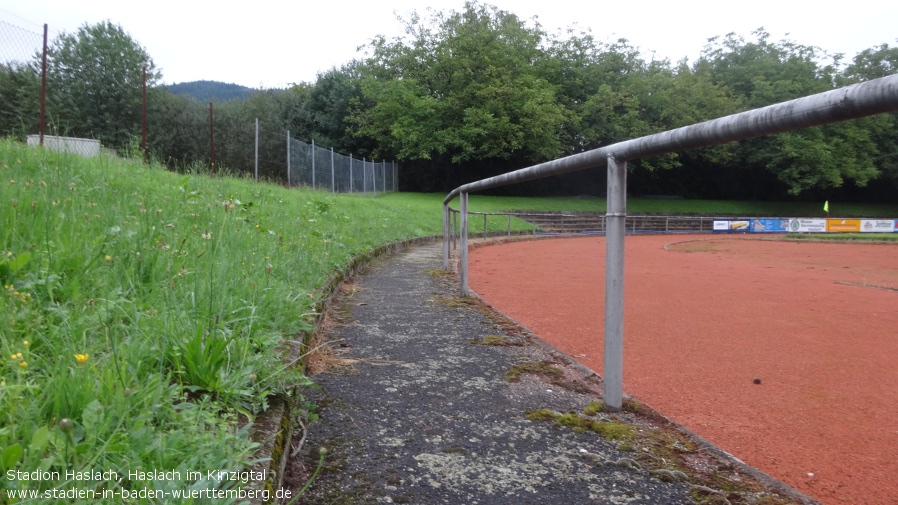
[614, 283]
[445, 236]
[454, 230]
[463, 250]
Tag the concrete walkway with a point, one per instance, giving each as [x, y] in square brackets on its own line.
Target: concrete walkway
[416, 406]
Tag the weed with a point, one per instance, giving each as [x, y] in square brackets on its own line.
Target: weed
[494, 340]
[541, 368]
[594, 408]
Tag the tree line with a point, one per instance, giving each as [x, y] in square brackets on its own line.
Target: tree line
[467, 94]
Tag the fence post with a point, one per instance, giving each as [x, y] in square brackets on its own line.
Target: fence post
[364, 176]
[288, 158]
[614, 283]
[484, 226]
[312, 152]
[463, 251]
[43, 112]
[350, 173]
[257, 150]
[508, 229]
[333, 176]
[455, 230]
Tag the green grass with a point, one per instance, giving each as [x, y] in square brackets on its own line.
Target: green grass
[637, 206]
[858, 237]
[144, 312]
[147, 309]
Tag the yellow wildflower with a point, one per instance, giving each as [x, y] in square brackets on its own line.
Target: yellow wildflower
[108, 258]
[25, 343]
[81, 358]
[23, 364]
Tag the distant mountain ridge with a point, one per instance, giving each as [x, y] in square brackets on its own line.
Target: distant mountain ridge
[211, 91]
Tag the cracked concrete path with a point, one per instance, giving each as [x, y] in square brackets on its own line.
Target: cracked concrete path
[414, 409]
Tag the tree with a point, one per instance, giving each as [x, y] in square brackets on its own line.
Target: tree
[177, 128]
[19, 99]
[761, 73]
[461, 87]
[95, 83]
[870, 64]
[330, 102]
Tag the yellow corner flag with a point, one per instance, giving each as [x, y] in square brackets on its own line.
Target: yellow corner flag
[826, 206]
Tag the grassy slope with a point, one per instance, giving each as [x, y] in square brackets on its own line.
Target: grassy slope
[146, 307]
[138, 302]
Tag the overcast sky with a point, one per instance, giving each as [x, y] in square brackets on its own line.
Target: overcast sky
[268, 44]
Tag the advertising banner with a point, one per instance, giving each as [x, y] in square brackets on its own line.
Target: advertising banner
[843, 225]
[769, 225]
[877, 226]
[731, 226]
[807, 225]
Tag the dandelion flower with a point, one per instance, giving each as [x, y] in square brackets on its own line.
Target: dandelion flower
[81, 358]
[25, 343]
[108, 258]
[23, 364]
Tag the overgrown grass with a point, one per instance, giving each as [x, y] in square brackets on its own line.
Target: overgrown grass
[142, 311]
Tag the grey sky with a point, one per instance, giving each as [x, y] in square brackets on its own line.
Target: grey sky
[267, 43]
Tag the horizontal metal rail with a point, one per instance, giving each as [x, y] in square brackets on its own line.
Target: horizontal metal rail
[860, 100]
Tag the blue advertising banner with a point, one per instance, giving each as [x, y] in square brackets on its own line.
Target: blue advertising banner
[769, 225]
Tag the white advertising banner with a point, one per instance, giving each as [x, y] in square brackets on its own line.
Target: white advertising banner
[807, 225]
[877, 226]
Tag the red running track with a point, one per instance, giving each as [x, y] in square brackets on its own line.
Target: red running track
[705, 315]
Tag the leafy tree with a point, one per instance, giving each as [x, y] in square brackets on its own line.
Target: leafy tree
[762, 73]
[329, 106]
[19, 100]
[177, 128]
[95, 83]
[870, 64]
[461, 87]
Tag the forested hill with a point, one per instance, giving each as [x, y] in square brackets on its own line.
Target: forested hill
[210, 91]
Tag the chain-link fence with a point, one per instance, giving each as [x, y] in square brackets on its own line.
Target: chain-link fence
[297, 163]
[19, 46]
[323, 168]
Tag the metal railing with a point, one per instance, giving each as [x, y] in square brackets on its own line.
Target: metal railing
[865, 99]
[557, 223]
